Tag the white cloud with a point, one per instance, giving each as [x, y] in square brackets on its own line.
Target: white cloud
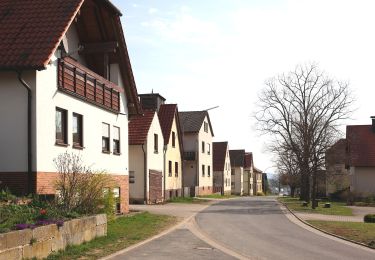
[152, 10]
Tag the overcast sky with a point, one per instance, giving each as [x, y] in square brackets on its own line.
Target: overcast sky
[205, 53]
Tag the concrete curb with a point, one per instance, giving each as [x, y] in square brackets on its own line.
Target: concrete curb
[165, 232]
[322, 230]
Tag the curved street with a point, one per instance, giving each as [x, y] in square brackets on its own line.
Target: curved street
[246, 228]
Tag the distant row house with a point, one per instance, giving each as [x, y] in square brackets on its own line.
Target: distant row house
[66, 85]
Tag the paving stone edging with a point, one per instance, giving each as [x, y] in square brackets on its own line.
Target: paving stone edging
[44, 240]
[322, 230]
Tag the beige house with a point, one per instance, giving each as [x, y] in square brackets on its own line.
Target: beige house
[248, 176]
[146, 159]
[173, 150]
[237, 160]
[222, 168]
[66, 85]
[258, 181]
[361, 158]
[197, 142]
[337, 176]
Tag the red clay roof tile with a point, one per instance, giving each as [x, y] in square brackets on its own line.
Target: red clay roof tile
[166, 115]
[30, 31]
[248, 160]
[361, 145]
[219, 153]
[139, 127]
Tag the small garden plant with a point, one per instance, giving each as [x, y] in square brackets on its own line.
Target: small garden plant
[81, 192]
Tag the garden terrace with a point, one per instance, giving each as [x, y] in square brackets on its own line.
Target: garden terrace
[79, 81]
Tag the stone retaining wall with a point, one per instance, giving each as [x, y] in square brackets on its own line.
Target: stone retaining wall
[42, 241]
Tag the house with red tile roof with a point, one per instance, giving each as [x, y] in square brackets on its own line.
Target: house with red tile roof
[222, 168]
[146, 164]
[237, 161]
[197, 142]
[66, 85]
[173, 150]
[248, 175]
[361, 157]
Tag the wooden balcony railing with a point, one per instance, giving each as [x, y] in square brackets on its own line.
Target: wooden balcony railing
[81, 82]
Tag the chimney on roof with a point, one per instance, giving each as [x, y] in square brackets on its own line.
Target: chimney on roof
[151, 101]
[373, 123]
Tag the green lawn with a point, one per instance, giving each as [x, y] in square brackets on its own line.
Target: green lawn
[337, 208]
[187, 200]
[122, 232]
[360, 232]
[218, 196]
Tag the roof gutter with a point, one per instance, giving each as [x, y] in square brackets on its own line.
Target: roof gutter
[29, 141]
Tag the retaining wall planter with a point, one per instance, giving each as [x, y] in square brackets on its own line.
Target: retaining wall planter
[42, 241]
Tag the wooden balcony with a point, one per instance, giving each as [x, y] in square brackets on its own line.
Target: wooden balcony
[81, 82]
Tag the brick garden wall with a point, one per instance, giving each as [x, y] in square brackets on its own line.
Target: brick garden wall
[45, 185]
[42, 241]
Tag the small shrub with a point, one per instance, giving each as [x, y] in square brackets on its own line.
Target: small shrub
[369, 218]
[6, 195]
[109, 202]
[260, 193]
[80, 189]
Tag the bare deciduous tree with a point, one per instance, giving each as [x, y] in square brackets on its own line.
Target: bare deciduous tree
[302, 111]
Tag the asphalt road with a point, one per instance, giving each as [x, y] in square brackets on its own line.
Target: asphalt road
[257, 228]
[243, 228]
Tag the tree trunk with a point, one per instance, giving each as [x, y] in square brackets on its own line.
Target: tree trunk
[313, 193]
[292, 191]
[305, 187]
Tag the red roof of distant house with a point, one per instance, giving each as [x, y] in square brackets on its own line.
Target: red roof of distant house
[30, 31]
[237, 158]
[166, 115]
[167, 112]
[361, 145]
[139, 127]
[248, 160]
[219, 150]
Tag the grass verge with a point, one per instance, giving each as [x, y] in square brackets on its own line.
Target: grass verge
[188, 200]
[337, 208]
[360, 232]
[218, 196]
[122, 232]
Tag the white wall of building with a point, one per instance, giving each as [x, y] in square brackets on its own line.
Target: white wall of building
[227, 173]
[237, 179]
[48, 98]
[155, 160]
[136, 165]
[13, 121]
[205, 158]
[362, 180]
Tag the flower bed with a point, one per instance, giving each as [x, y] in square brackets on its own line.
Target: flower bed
[40, 241]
